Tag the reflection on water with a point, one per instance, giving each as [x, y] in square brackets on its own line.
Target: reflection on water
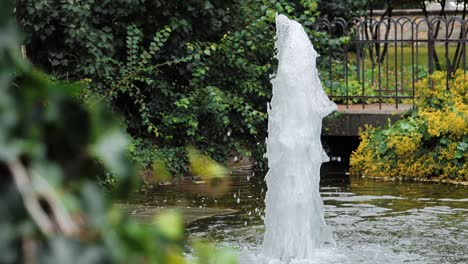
[373, 221]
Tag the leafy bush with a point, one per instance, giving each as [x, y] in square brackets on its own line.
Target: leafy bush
[76, 39]
[181, 73]
[430, 142]
[145, 154]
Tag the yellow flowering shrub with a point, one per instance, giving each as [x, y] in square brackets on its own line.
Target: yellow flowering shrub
[450, 121]
[404, 145]
[431, 142]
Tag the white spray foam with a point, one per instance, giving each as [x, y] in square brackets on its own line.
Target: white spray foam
[295, 228]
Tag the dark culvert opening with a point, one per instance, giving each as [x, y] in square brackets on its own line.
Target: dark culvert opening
[339, 149]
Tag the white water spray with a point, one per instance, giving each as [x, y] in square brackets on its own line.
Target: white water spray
[294, 214]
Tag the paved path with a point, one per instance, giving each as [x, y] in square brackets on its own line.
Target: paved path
[374, 109]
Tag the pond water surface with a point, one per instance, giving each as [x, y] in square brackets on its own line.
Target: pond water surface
[373, 221]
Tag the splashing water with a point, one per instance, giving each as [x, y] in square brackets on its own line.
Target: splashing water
[294, 214]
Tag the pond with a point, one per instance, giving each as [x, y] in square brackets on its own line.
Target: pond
[373, 221]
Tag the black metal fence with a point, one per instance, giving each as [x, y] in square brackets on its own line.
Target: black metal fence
[382, 59]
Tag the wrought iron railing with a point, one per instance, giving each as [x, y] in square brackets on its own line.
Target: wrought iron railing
[382, 59]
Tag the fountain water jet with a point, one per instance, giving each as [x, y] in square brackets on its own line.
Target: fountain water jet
[294, 214]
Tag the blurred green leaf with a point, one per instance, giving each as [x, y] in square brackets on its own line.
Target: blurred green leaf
[171, 224]
[111, 150]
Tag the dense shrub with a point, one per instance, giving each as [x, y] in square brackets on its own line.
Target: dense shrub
[430, 142]
[73, 39]
[181, 73]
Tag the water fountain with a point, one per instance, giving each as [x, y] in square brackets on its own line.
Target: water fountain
[371, 224]
[294, 216]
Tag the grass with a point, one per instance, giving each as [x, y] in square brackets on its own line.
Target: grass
[421, 56]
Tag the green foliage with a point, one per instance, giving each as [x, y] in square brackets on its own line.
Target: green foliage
[75, 39]
[345, 9]
[204, 167]
[204, 254]
[52, 147]
[134, 74]
[144, 153]
[181, 73]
